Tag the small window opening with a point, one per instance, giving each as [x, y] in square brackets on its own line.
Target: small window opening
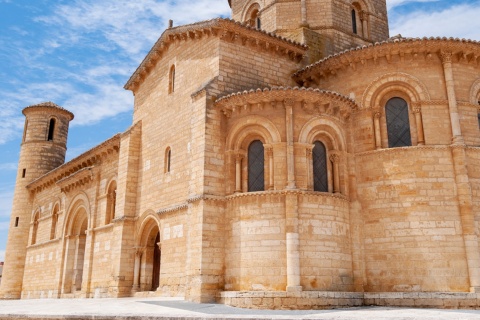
[259, 23]
[16, 221]
[51, 129]
[478, 115]
[53, 228]
[111, 202]
[168, 156]
[35, 228]
[24, 173]
[354, 21]
[171, 79]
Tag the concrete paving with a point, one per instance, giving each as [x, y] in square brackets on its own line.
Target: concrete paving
[178, 309]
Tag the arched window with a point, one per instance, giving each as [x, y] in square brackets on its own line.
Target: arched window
[111, 202]
[256, 160]
[35, 228]
[168, 158]
[398, 124]
[51, 129]
[320, 171]
[171, 79]
[53, 228]
[252, 17]
[354, 21]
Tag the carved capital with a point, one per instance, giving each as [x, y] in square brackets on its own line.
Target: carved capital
[309, 151]
[363, 15]
[416, 107]
[288, 102]
[335, 158]
[268, 150]
[139, 251]
[377, 114]
[446, 56]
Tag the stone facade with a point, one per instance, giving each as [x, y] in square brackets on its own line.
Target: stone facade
[265, 169]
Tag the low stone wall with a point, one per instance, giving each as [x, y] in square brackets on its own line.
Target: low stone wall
[303, 300]
[330, 300]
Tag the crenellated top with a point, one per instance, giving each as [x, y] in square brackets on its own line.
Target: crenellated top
[77, 165]
[313, 101]
[48, 105]
[425, 48]
[223, 28]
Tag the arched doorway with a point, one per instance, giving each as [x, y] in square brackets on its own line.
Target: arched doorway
[75, 252]
[148, 257]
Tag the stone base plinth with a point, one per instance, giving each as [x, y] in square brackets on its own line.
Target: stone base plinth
[330, 300]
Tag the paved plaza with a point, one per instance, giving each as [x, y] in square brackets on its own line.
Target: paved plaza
[171, 308]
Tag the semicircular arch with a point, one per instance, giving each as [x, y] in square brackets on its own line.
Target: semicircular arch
[249, 7]
[79, 202]
[251, 126]
[475, 92]
[148, 222]
[321, 126]
[399, 81]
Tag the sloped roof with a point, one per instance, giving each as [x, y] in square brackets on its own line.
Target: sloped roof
[213, 27]
[49, 105]
[384, 48]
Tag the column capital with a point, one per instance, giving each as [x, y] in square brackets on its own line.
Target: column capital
[416, 107]
[334, 157]
[268, 149]
[377, 114]
[309, 151]
[139, 250]
[288, 102]
[446, 56]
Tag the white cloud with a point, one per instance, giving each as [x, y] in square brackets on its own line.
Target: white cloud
[457, 21]
[132, 26]
[396, 3]
[8, 166]
[2, 255]
[6, 198]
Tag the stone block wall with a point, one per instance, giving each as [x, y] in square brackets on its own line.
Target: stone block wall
[413, 231]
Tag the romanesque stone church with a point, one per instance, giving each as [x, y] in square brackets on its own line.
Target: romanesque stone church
[294, 156]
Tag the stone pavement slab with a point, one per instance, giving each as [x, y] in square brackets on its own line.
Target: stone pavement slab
[178, 309]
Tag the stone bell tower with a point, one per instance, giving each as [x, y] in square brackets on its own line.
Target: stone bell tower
[326, 26]
[43, 149]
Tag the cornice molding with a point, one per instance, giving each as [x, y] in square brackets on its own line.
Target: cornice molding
[90, 158]
[286, 192]
[48, 106]
[313, 101]
[225, 29]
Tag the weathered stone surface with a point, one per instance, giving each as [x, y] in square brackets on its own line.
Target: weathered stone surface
[166, 209]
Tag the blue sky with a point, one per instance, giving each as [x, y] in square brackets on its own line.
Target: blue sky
[80, 53]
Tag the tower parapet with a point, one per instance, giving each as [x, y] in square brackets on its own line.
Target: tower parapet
[43, 148]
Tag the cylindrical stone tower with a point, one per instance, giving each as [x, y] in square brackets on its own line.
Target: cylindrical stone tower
[43, 149]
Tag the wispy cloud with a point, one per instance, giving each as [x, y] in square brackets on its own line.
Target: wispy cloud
[396, 3]
[456, 21]
[8, 166]
[84, 54]
[6, 196]
[2, 255]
